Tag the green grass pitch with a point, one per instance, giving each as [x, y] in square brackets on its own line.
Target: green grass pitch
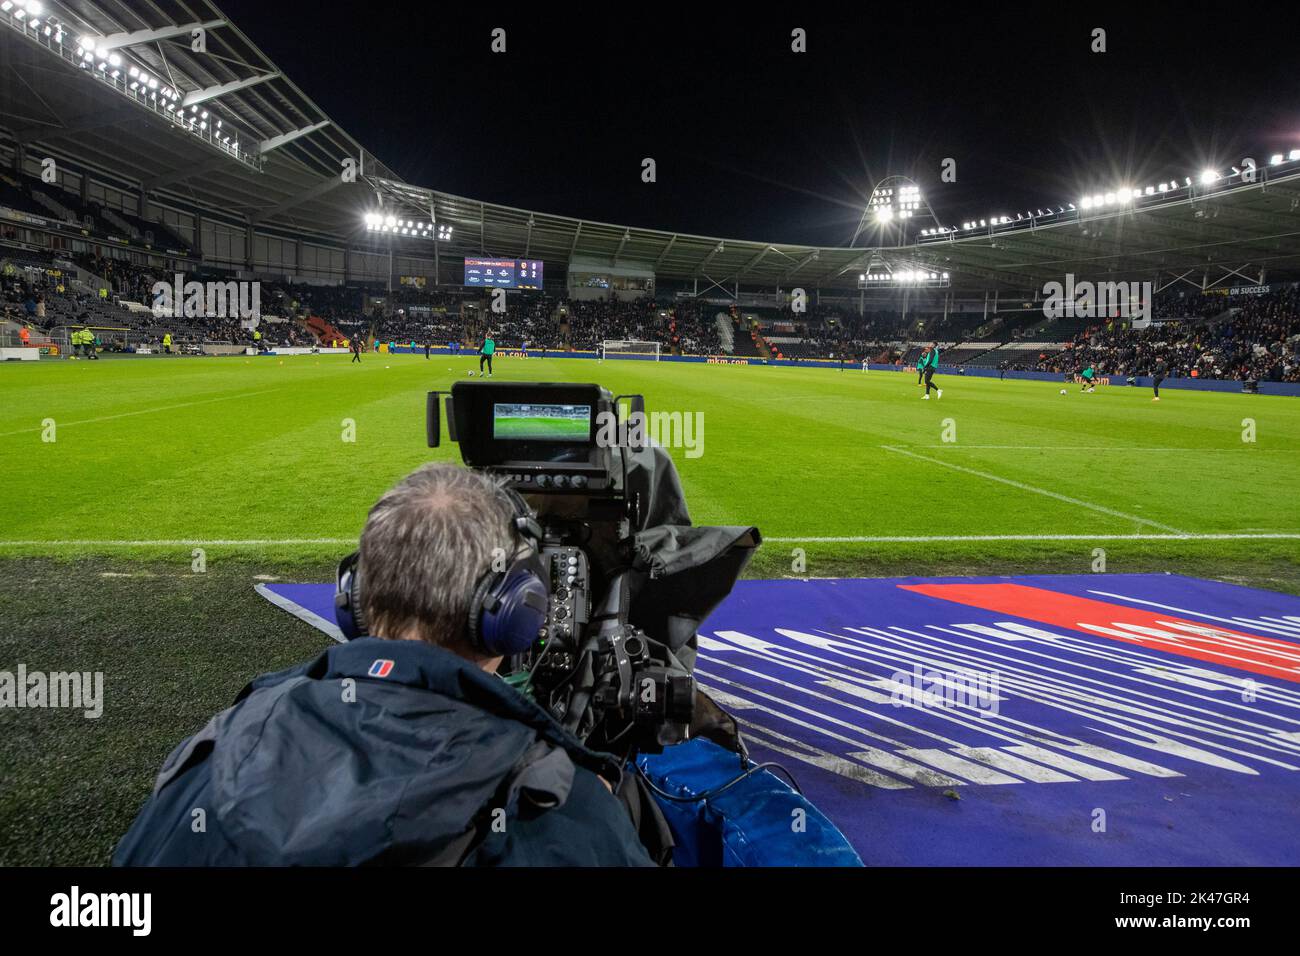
[252, 450]
[541, 427]
[845, 473]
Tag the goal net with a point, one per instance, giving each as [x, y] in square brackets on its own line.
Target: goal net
[626, 348]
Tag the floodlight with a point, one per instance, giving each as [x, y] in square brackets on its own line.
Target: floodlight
[1208, 176]
[1293, 155]
[1275, 159]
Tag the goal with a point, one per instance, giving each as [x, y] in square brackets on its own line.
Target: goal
[629, 349]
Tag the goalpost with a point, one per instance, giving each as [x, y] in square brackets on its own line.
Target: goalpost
[629, 349]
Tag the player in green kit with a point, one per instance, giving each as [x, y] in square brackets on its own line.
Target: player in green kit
[930, 364]
[1088, 384]
[485, 354]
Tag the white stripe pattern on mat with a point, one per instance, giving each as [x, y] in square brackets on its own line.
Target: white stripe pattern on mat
[989, 476]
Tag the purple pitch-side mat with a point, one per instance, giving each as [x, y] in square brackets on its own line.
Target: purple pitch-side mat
[1048, 720]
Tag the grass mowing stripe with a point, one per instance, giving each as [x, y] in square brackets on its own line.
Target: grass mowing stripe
[1102, 509]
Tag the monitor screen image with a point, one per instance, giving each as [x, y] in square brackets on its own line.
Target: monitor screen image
[571, 423]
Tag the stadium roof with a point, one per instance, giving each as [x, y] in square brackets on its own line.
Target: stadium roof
[285, 172]
[1203, 236]
[287, 164]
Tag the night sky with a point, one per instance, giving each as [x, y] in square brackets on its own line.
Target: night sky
[755, 142]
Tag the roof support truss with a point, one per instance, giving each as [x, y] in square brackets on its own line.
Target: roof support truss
[275, 142]
[195, 97]
[117, 41]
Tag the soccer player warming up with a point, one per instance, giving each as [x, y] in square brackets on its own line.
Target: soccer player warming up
[1088, 384]
[485, 354]
[930, 360]
[1157, 376]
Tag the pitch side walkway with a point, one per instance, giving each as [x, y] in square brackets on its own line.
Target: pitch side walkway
[1054, 720]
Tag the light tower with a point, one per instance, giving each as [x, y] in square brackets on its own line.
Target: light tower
[895, 204]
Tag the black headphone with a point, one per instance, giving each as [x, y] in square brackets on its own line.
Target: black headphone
[508, 609]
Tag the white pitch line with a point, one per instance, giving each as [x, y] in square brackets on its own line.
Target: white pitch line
[1031, 488]
[143, 411]
[961, 446]
[840, 539]
[941, 538]
[178, 543]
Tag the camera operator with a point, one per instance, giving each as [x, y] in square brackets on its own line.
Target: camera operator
[402, 747]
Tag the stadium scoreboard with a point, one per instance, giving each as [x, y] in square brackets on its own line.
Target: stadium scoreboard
[504, 273]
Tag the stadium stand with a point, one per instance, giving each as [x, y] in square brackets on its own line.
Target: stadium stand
[1257, 337]
[123, 213]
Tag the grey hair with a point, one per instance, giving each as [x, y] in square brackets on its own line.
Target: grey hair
[426, 543]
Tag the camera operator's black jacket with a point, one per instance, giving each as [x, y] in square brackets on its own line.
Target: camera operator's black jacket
[329, 763]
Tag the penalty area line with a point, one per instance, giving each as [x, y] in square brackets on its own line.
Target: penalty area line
[143, 411]
[989, 476]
